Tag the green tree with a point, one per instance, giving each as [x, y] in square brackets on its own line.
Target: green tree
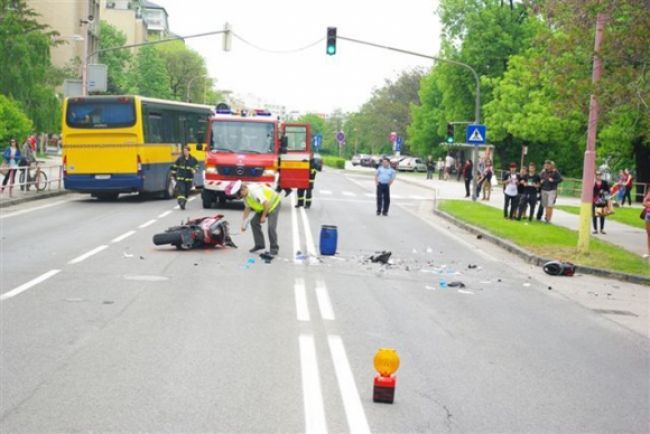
[148, 76]
[117, 61]
[184, 66]
[26, 69]
[13, 122]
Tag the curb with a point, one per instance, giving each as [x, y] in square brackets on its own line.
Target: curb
[538, 260]
[37, 196]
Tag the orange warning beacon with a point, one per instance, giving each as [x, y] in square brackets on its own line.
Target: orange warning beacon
[386, 362]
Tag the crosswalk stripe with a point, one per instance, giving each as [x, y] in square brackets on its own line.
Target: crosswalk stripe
[325, 191]
[348, 193]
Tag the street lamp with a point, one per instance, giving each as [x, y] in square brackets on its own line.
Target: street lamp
[189, 83]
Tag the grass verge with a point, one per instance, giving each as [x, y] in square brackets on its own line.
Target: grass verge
[544, 240]
[628, 216]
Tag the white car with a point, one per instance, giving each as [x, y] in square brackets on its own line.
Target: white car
[412, 165]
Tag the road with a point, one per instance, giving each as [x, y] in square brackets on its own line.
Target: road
[102, 331]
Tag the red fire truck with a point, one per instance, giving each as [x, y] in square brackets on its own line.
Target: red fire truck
[254, 148]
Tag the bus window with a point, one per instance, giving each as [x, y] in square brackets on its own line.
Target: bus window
[82, 113]
[154, 128]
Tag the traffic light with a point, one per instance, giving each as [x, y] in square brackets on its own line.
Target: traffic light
[331, 41]
[450, 133]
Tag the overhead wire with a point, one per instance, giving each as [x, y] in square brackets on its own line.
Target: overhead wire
[267, 50]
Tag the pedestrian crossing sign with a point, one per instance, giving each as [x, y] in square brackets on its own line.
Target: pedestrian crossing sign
[476, 134]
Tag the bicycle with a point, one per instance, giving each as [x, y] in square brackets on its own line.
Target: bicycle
[35, 176]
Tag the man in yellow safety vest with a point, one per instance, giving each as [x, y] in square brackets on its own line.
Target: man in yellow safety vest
[265, 203]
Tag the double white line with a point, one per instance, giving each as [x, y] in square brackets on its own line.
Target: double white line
[315, 420]
[295, 231]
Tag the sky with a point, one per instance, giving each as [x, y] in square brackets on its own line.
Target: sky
[308, 80]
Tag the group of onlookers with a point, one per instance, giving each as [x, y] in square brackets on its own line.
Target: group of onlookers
[525, 190]
[15, 158]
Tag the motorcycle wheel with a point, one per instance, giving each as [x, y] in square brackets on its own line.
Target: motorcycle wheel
[174, 237]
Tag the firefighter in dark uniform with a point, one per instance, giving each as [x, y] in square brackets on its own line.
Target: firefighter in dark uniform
[305, 200]
[183, 171]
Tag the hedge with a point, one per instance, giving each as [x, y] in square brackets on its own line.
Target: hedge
[336, 162]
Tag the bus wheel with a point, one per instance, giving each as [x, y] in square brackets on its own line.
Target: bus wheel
[170, 187]
[107, 196]
[207, 198]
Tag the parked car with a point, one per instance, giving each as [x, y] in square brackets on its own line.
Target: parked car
[366, 161]
[318, 162]
[376, 161]
[356, 160]
[412, 165]
[394, 162]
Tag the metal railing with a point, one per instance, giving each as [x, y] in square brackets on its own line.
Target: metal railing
[36, 178]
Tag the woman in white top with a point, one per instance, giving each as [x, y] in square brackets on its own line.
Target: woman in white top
[510, 182]
[10, 157]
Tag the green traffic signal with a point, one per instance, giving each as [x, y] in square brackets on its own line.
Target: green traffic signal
[331, 41]
[450, 133]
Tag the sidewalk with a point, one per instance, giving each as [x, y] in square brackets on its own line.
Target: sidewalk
[625, 236]
[51, 165]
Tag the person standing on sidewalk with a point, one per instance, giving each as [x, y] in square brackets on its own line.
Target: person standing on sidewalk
[530, 184]
[430, 167]
[468, 169]
[10, 157]
[629, 182]
[599, 204]
[183, 171]
[550, 179]
[28, 156]
[487, 181]
[646, 207]
[510, 192]
[384, 177]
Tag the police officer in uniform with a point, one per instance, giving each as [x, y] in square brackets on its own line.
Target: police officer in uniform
[305, 200]
[183, 171]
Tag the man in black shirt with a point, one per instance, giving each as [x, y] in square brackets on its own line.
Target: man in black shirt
[549, 178]
[530, 184]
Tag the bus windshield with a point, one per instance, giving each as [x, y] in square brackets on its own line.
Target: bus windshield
[253, 137]
[83, 113]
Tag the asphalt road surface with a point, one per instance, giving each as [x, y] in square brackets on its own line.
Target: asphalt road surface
[103, 331]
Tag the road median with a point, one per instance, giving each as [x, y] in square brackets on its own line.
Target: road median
[538, 243]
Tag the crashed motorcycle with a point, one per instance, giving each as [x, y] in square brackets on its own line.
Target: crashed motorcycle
[197, 233]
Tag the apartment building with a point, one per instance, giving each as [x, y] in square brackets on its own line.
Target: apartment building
[127, 17]
[77, 22]
[156, 19]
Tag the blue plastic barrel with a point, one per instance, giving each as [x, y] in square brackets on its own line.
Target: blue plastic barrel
[328, 238]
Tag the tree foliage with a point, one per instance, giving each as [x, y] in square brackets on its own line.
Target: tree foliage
[149, 76]
[13, 122]
[117, 61]
[26, 69]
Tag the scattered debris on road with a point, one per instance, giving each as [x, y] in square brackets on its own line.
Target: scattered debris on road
[456, 284]
[381, 257]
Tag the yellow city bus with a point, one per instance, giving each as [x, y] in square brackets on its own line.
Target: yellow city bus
[126, 144]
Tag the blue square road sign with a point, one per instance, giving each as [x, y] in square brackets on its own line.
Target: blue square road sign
[476, 134]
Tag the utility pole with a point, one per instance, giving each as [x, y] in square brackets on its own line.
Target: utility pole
[588, 170]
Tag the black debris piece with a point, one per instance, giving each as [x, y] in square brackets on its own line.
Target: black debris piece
[141, 257]
[456, 284]
[472, 266]
[550, 288]
[195, 264]
[108, 302]
[557, 268]
[479, 236]
[498, 280]
[381, 257]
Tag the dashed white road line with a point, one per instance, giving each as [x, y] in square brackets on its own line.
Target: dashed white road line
[357, 422]
[302, 309]
[165, 214]
[36, 208]
[295, 231]
[416, 197]
[324, 303]
[311, 389]
[25, 286]
[324, 191]
[348, 193]
[87, 254]
[309, 240]
[122, 237]
[148, 223]
[370, 194]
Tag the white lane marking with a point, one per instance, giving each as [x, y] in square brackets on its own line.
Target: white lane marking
[370, 194]
[87, 254]
[25, 286]
[324, 303]
[357, 422]
[396, 196]
[122, 237]
[309, 240]
[462, 291]
[36, 208]
[348, 193]
[149, 223]
[311, 390]
[325, 191]
[416, 197]
[295, 230]
[165, 214]
[177, 207]
[192, 198]
[302, 310]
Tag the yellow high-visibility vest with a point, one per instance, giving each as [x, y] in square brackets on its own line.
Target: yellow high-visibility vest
[271, 196]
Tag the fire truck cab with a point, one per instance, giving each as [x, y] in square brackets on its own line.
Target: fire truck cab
[255, 148]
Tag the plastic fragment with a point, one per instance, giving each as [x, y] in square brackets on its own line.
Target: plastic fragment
[456, 284]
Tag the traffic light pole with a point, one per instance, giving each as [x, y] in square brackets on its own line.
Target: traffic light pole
[477, 107]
